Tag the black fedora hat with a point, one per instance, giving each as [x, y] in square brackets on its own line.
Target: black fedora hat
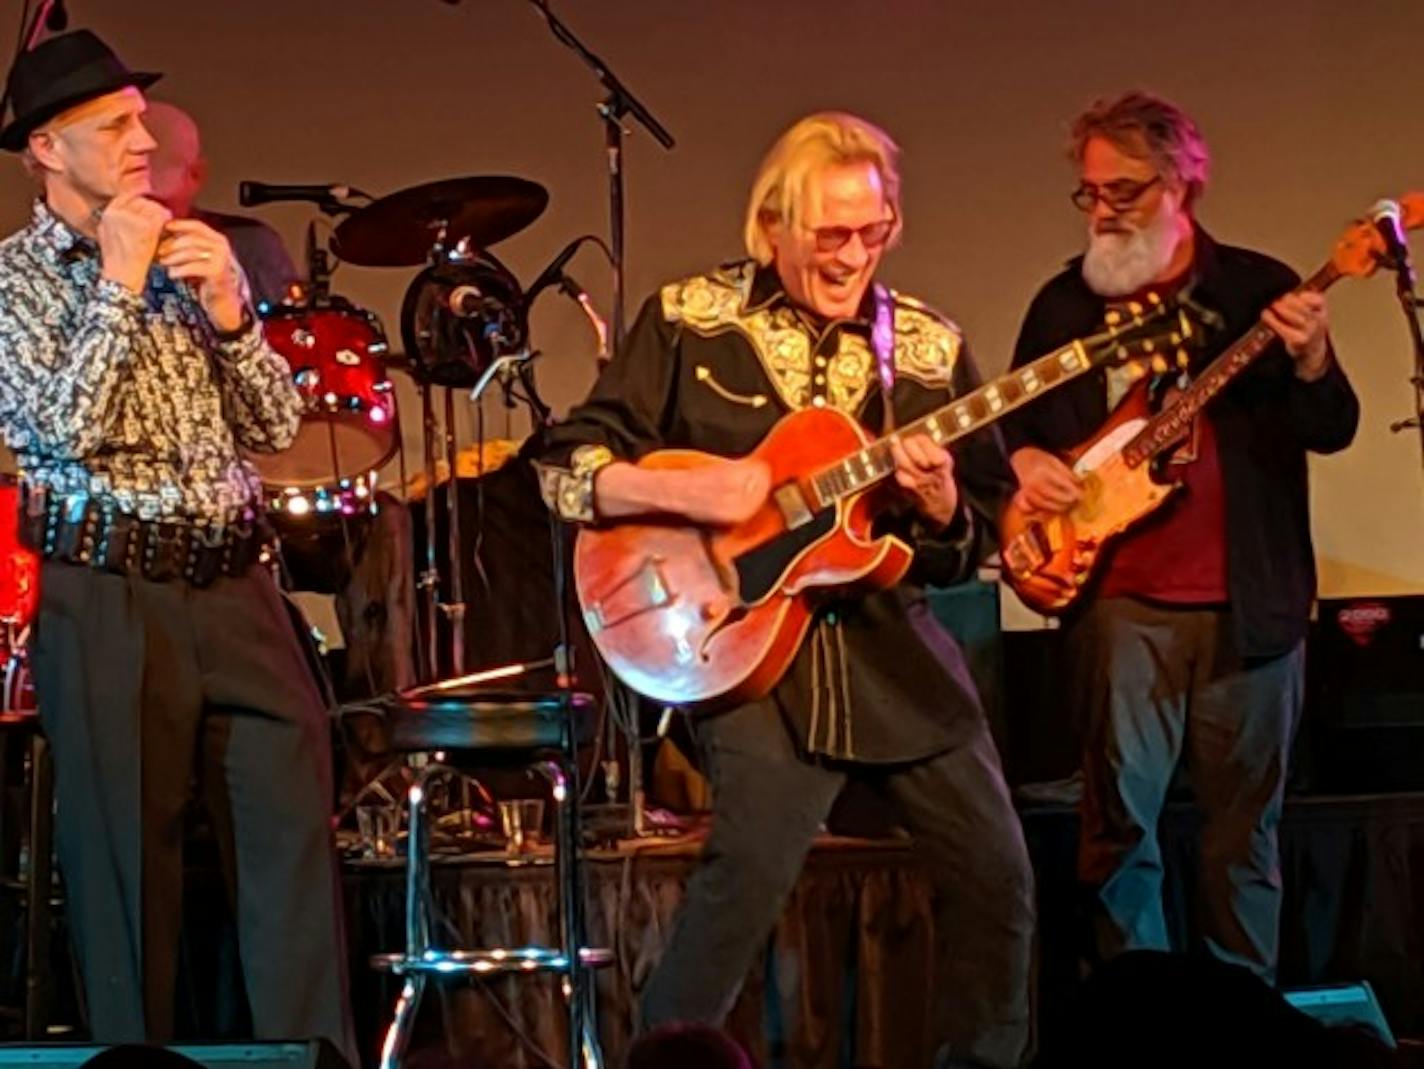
[59, 73]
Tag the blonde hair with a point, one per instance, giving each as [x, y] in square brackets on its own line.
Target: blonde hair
[826, 139]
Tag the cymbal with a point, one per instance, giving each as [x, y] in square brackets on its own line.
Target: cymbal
[399, 229]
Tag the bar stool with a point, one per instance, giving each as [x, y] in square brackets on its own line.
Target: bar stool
[478, 725]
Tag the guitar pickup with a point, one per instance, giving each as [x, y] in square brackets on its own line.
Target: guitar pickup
[791, 503]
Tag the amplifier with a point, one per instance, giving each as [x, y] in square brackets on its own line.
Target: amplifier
[1367, 709]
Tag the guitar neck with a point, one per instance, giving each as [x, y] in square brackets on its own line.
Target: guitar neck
[1172, 424]
[963, 416]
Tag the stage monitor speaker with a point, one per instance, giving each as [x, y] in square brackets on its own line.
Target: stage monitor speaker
[1368, 715]
[312, 1054]
[1343, 1004]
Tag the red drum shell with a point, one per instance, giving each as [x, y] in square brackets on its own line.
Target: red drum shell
[337, 358]
[19, 566]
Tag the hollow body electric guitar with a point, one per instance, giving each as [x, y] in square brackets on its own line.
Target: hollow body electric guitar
[702, 617]
[1049, 560]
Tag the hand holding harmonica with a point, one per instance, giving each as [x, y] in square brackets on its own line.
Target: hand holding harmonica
[128, 230]
[196, 253]
[135, 231]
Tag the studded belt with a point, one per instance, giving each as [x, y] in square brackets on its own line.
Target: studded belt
[86, 530]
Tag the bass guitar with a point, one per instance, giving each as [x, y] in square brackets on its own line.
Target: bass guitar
[1050, 559]
[698, 617]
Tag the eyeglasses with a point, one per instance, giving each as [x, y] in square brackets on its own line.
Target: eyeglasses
[872, 235]
[1119, 196]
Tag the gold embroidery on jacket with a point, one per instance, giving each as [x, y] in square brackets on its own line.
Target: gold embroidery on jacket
[927, 346]
[704, 374]
[712, 304]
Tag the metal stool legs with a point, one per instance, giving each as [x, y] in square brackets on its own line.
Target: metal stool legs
[583, 1033]
[421, 962]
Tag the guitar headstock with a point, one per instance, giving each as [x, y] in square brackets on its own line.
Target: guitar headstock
[1360, 250]
[1151, 329]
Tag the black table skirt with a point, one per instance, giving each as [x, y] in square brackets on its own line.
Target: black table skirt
[846, 978]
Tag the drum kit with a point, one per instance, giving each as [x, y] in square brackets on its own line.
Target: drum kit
[463, 321]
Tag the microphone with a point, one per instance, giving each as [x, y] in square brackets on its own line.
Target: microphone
[554, 271]
[1388, 221]
[497, 321]
[467, 302]
[250, 194]
[569, 287]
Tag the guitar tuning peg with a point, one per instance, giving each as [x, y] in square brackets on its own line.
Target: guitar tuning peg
[1148, 345]
[1153, 298]
[1159, 365]
[1136, 371]
[1113, 317]
[1182, 359]
[1134, 308]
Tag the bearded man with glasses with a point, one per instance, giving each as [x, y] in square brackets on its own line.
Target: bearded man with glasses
[1191, 648]
[878, 691]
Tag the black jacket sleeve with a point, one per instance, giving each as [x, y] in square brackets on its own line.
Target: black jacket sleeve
[622, 418]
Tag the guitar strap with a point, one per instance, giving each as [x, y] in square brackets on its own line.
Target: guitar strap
[882, 344]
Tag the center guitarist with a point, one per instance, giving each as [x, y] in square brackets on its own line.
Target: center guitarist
[1190, 646]
[877, 690]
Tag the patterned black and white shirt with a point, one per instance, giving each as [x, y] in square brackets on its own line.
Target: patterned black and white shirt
[133, 399]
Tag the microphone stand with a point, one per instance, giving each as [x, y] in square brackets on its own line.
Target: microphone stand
[1411, 305]
[618, 103]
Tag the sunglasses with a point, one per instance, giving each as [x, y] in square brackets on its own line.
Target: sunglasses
[872, 235]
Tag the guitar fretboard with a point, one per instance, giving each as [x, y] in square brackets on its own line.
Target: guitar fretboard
[1172, 424]
[963, 416]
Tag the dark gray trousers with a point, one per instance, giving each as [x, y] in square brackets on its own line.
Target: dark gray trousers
[152, 694]
[768, 803]
[1162, 685]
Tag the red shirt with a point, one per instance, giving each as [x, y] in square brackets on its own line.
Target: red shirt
[1177, 555]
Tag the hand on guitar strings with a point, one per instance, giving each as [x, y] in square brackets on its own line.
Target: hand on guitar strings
[1302, 322]
[925, 472]
[1046, 484]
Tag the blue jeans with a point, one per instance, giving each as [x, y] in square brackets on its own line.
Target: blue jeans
[1164, 685]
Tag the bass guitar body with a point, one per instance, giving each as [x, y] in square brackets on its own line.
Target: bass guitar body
[1049, 559]
[704, 618]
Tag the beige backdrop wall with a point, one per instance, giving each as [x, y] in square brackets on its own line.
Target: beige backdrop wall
[1312, 107]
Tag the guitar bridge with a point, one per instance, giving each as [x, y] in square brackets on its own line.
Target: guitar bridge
[645, 589]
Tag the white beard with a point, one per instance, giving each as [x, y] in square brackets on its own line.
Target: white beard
[1117, 264]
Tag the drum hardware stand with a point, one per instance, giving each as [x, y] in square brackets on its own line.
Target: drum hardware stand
[452, 610]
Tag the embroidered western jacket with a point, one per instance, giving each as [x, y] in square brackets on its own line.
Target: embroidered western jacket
[712, 363]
